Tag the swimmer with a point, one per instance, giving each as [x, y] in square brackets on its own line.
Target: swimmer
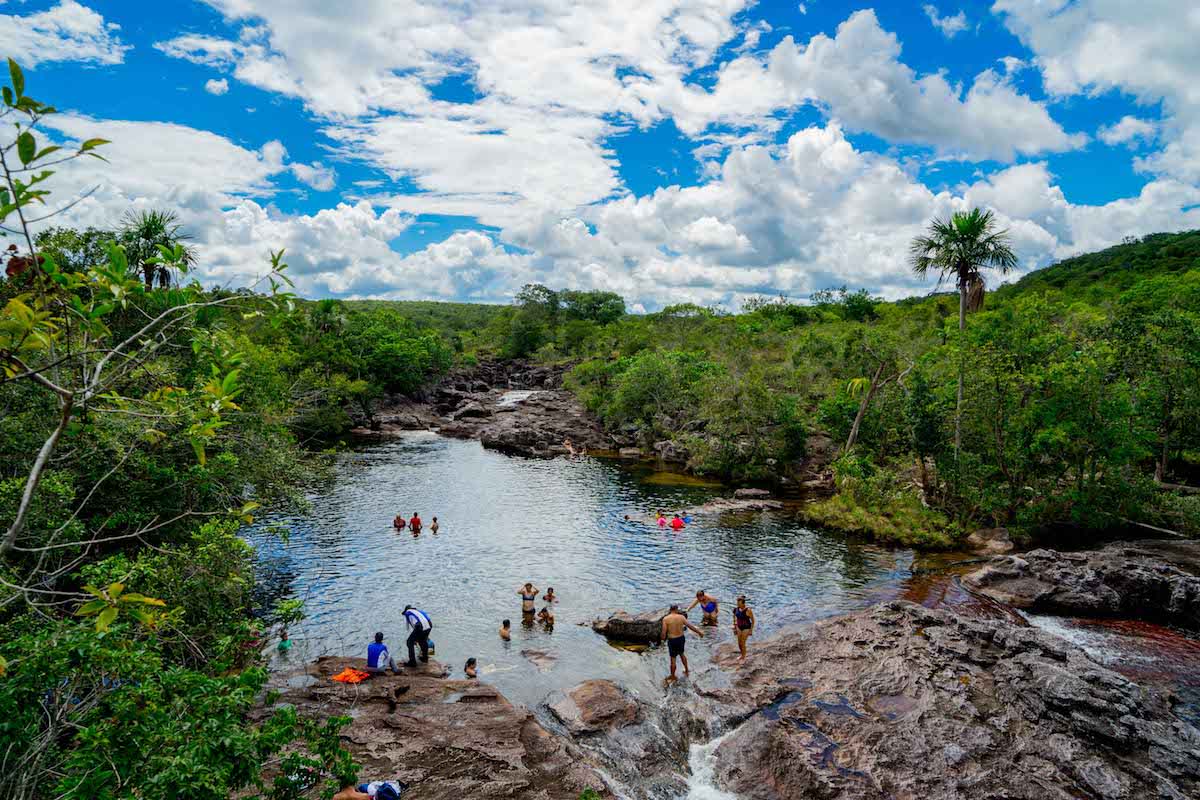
[743, 624]
[529, 595]
[708, 605]
[433, 526]
[506, 630]
[285, 643]
[550, 596]
[674, 626]
[677, 523]
[546, 617]
[469, 669]
[662, 520]
[414, 524]
[399, 523]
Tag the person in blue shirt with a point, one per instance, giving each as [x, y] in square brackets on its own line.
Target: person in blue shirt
[419, 626]
[379, 660]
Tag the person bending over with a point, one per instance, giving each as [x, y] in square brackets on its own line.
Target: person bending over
[419, 626]
[708, 605]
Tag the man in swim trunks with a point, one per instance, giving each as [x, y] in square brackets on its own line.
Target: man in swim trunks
[529, 595]
[708, 605]
[674, 625]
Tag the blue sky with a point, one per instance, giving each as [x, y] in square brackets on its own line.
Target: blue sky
[701, 150]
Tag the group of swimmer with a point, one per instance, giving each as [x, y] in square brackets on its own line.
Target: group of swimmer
[675, 625]
[529, 594]
[413, 524]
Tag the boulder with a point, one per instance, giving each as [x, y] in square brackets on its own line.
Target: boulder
[472, 410]
[1134, 580]
[751, 494]
[626, 627]
[990, 541]
[671, 451]
[594, 706]
[907, 702]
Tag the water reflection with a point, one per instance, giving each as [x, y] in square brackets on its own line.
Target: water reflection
[557, 523]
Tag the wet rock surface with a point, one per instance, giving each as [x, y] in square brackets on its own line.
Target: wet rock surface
[1151, 580]
[900, 701]
[594, 706]
[448, 739]
[645, 627]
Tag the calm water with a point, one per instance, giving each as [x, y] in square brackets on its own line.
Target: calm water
[557, 523]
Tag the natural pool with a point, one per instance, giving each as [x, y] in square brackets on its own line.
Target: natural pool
[558, 523]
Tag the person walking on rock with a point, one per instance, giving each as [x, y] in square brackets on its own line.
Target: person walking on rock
[674, 625]
[743, 624]
[420, 626]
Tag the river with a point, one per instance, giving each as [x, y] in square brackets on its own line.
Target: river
[559, 523]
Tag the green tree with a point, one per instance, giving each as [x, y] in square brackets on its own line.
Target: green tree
[961, 248]
[142, 233]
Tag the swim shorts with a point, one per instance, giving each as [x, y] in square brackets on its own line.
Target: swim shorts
[675, 646]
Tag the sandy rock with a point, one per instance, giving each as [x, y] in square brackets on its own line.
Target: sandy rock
[448, 739]
[990, 541]
[594, 706]
[901, 701]
[1140, 580]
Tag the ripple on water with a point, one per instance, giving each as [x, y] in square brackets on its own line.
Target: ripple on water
[559, 523]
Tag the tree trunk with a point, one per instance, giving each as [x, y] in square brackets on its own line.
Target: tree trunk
[862, 408]
[962, 326]
[148, 276]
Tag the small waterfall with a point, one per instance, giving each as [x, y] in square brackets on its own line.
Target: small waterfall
[702, 762]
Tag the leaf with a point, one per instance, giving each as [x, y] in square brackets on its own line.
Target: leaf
[115, 589]
[45, 151]
[18, 78]
[91, 144]
[26, 147]
[134, 597]
[106, 618]
[3, 666]
[8, 96]
[91, 607]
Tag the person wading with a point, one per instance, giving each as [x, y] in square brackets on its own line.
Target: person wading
[674, 625]
[420, 625]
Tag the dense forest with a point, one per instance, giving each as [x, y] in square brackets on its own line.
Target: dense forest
[144, 418]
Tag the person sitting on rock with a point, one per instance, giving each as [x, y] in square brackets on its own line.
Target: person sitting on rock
[506, 630]
[674, 625]
[708, 605]
[469, 669]
[379, 660]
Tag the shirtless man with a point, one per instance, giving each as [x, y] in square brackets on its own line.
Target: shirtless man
[674, 625]
[506, 630]
[708, 604]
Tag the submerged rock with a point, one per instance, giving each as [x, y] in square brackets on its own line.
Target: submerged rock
[448, 739]
[594, 706]
[1156, 581]
[751, 494]
[902, 701]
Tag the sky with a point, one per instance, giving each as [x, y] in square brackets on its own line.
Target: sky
[672, 151]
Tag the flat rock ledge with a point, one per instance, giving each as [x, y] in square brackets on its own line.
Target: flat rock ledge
[643, 628]
[900, 701]
[448, 739]
[1152, 580]
[594, 706]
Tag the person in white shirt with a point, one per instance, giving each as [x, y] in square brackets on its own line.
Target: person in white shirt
[420, 626]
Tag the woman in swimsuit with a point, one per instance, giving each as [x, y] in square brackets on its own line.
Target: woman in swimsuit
[743, 624]
[708, 604]
[529, 597]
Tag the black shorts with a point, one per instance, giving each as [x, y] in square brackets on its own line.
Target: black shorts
[675, 646]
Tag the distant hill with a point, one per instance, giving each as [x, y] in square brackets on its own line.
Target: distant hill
[1094, 276]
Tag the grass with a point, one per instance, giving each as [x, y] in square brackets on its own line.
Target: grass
[897, 523]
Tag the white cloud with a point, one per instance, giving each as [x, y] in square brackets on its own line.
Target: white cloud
[217, 87]
[1128, 130]
[1145, 49]
[858, 77]
[316, 175]
[949, 25]
[65, 32]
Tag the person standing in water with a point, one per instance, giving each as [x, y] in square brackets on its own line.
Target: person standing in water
[414, 524]
[433, 526]
[708, 605]
[674, 626]
[677, 523]
[529, 596]
[546, 617]
[398, 523]
[549, 596]
[743, 624]
[506, 630]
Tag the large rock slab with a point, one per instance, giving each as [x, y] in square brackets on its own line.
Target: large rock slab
[1153, 581]
[900, 701]
[623, 626]
[448, 739]
[594, 706]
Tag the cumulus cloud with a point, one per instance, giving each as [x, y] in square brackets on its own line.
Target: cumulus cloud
[217, 87]
[949, 25]
[1128, 130]
[65, 32]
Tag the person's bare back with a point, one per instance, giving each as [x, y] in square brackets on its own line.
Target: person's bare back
[674, 624]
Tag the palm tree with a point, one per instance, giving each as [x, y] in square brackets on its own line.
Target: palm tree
[142, 232]
[962, 247]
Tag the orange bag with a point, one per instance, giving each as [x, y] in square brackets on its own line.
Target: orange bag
[351, 675]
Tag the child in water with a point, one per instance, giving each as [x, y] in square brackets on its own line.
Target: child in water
[546, 617]
[433, 526]
[549, 596]
[506, 630]
[469, 669]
